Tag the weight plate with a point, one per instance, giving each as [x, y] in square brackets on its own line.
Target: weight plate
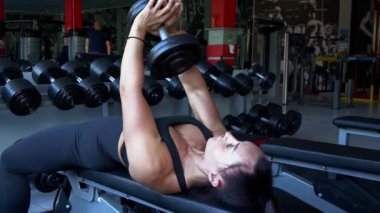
[174, 56]
[295, 121]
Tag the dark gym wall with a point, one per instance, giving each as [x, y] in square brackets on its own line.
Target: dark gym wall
[361, 27]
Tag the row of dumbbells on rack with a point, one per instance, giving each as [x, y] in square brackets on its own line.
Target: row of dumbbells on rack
[78, 82]
[265, 121]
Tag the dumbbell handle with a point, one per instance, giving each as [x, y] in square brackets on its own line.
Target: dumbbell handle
[109, 77]
[163, 33]
[259, 75]
[234, 127]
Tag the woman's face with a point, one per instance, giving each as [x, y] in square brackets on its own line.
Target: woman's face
[224, 151]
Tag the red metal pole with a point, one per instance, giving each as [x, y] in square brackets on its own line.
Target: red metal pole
[73, 15]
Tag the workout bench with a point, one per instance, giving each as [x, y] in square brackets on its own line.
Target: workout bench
[333, 190]
[95, 191]
[358, 126]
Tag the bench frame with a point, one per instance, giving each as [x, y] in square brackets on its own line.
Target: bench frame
[302, 188]
[345, 132]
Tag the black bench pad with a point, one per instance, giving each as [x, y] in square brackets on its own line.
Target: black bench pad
[333, 155]
[358, 122]
[184, 202]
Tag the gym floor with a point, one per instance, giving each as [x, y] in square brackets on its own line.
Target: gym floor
[317, 126]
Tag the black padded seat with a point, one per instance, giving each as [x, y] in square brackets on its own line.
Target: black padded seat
[358, 122]
[183, 202]
[333, 155]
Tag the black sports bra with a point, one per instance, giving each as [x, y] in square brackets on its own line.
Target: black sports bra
[163, 125]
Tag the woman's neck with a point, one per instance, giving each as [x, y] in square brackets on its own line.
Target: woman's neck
[195, 172]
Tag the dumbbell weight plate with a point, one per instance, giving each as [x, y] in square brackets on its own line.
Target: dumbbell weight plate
[173, 56]
[175, 89]
[279, 123]
[21, 97]
[224, 67]
[153, 91]
[259, 110]
[96, 92]
[103, 66]
[135, 9]
[115, 90]
[295, 121]
[41, 183]
[65, 93]
[48, 67]
[244, 84]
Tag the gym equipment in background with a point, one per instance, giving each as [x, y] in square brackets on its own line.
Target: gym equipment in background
[223, 83]
[63, 91]
[96, 92]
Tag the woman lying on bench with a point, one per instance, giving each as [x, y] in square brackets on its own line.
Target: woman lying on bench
[168, 155]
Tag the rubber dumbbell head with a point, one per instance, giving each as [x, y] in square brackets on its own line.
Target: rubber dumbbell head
[95, 91]
[175, 88]
[244, 84]
[20, 96]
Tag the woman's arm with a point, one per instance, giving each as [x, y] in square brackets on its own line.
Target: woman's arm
[201, 102]
[142, 139]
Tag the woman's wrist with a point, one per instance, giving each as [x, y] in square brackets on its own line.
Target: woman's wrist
[137, 31]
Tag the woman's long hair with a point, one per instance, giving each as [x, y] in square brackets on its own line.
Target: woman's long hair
[249, 188]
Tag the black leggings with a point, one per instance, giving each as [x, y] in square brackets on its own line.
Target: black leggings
[91, 145]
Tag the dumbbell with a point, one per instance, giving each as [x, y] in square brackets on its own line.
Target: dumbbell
[175, 88]
[174, 54]
[47, 182]
[294, 117]
[232, 123]
[259, 127]
[223, 83]
[152, 91]
[244, 83]
[20, 96]
[63, 91]
[106, 71]
[24, 65]
[279, 124]
[266, 79]
[95, 91]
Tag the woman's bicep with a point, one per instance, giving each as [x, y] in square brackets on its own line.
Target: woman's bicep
[136, 113]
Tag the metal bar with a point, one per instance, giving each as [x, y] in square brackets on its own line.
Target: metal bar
[286, 70]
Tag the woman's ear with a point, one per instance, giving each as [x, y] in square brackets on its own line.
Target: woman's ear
[214, 179]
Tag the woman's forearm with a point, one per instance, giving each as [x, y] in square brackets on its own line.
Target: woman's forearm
[132, 67]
